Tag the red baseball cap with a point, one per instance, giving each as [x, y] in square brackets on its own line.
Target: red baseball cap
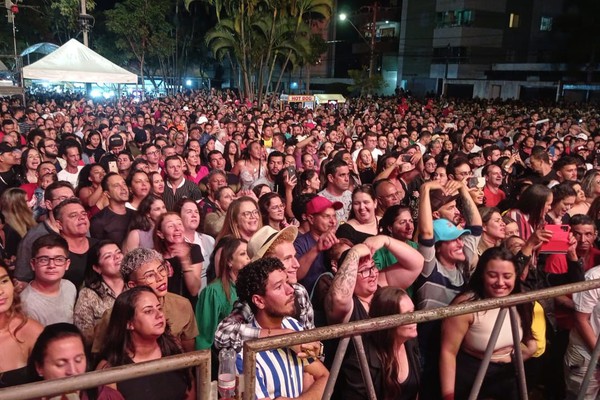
[319, 204]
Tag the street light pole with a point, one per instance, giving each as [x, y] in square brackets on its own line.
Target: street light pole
[372, 45]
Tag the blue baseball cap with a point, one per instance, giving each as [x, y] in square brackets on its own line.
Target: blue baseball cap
[444, 230]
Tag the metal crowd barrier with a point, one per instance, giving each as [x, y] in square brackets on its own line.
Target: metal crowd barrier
[200, 359]
[353, 329]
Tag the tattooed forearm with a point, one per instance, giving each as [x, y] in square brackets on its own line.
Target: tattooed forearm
[345, 278]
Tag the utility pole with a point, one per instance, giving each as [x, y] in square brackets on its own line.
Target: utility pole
[86, 22]
[372, 46]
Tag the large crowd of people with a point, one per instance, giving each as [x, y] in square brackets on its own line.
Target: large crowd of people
[136, 229]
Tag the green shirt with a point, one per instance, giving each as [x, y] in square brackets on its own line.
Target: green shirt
[212, 308]
[384, 258]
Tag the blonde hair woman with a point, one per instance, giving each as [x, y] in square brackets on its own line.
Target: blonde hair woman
[18, 219]
[242, 219]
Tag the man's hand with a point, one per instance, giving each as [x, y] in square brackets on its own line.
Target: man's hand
[327, 240]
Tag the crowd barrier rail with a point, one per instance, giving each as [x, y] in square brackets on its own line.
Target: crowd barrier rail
[353, 329]
[202, 359]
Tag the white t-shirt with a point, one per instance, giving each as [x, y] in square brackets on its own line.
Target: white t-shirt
[63, 175]
[49, 310]
[587, 302]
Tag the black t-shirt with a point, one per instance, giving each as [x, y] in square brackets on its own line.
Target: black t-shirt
[79, 264]
[176, 282]
[109, 225]
[8, 179]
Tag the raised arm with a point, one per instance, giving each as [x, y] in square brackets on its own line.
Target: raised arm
[425, 220]
[408, 267]
[338, 302]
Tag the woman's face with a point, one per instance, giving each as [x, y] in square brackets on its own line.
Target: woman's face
[247, 218]
[406, 331]
[240, 258]
[156, 210]
[172, 229]
[63, 357]
[440, 176]
[255, 151]
[348, 143]
[448, 145]
[314, 183]
[158, 184]
[358, 146]
[140, 185]
[477, 195]
[364, 207]
[190, 216]
[210, 146]
[367, 277]
[149, 319]
[194, 145]
[7, 291]
[430, 166]
[33, 159]
[495, 227]
[95, 141]
[232, 149]
[596, 185]
[511, 229]
[499, 278]
[193, 159]
[404, 226]
[563, 206]
[97, 174]
[109, 261]
[365, 157]
[276, 209]
[548, 205]
[580, 194]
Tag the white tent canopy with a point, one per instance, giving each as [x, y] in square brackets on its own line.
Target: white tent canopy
[73, 62]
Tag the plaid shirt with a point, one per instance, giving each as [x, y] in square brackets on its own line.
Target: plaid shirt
[236, 328]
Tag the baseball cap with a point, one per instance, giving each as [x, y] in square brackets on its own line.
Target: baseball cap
[262, 240]
[6, 148]
[444, 230]
[438, 199]
[115, 141]
[581, 136]
[319, 204]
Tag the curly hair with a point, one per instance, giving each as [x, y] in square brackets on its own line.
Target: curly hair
[252, 279]
[136, 258]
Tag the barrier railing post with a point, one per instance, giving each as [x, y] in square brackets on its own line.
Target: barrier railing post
[364, 366]
[203, 379]
[487, 355]
[335, 367]
[249, 373]
[514, 324]
[590, 371]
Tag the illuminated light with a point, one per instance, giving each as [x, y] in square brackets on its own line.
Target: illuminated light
[188, 82]
[343, 17]
[96, 93]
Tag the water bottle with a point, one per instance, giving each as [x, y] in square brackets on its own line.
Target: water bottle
[227, 374]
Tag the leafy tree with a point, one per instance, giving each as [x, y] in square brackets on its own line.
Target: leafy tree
[140, 27]
[259, 35]
[363, 84]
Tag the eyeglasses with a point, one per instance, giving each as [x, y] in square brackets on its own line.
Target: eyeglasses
[248, 214]
[151, 277]
[368, 272]
[152, 153]
[277, 207]
[43, 261]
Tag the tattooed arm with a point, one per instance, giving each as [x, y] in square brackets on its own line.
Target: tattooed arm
[338, 303]
[470, 212]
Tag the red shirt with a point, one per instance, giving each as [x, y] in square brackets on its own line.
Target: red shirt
[493, 199]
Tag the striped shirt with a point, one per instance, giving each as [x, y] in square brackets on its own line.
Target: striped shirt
[278, 371]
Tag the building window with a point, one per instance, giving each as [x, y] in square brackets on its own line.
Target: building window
[455, 18]
[513, 22]
[546, 24]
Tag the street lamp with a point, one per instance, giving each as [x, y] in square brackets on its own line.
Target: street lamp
[371, 44]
